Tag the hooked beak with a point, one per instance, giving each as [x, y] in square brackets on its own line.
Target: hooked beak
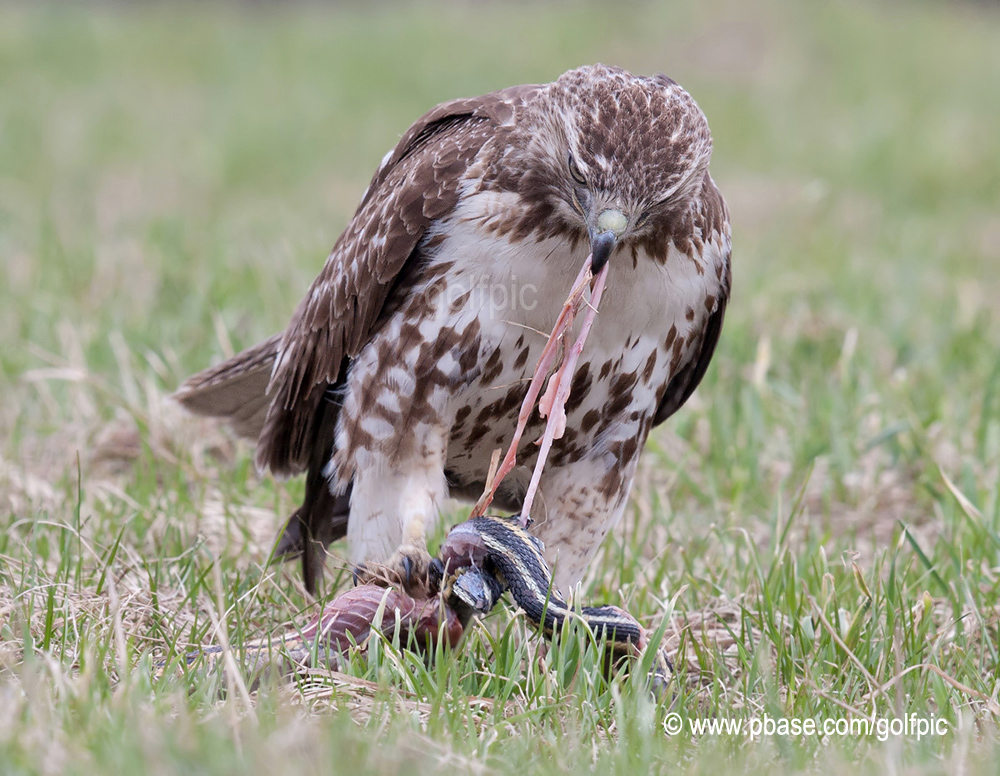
[611, 224]
[601, 245]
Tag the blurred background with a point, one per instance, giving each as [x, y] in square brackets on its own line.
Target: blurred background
[173, 175]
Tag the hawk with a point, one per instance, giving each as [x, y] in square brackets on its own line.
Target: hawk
[405, 365]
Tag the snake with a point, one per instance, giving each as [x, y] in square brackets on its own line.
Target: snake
[479, 560]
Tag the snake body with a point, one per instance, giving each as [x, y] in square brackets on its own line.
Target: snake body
[479, 560]
[486, 555]
[513, 557]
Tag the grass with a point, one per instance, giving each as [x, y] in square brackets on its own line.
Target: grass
[817, 533]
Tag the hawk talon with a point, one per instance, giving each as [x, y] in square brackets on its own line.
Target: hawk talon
[365, 574]
[435, 574]
[409, 569]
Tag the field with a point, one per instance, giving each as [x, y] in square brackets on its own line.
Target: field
[816, 535]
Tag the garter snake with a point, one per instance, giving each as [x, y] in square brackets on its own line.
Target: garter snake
[479, 560]
[486, 555]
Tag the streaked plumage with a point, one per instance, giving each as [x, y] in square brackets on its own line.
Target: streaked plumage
[399, 375]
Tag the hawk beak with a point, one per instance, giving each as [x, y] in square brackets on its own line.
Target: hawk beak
[611, 224]
[601, 245]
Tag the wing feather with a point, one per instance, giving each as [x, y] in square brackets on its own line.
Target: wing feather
[714, 223]
[418, 183]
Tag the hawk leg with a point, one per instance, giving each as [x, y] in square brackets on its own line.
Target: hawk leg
[582, 502]
[394, 500]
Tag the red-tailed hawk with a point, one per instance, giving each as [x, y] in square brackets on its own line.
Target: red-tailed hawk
[405, 365]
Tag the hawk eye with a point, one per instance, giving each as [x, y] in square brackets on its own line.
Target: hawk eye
[574, 171]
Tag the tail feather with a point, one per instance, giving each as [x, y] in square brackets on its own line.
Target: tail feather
[312, 528]
[235, 390]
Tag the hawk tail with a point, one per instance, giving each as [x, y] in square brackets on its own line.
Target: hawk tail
[235, 391]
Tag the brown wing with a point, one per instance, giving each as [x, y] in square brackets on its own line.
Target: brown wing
[417, 184]
[714, 219]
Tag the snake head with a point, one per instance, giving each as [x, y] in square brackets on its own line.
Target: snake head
[476, 589]
[470, 591]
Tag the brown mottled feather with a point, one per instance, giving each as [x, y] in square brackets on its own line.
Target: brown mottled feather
[471, 181]
[713, 218]
[416, 185]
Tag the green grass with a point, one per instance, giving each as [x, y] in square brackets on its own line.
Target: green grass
[818, 532]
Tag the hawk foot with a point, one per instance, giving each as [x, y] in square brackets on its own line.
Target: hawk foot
[408, 569]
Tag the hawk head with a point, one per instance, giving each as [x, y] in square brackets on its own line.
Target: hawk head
[607, 156]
